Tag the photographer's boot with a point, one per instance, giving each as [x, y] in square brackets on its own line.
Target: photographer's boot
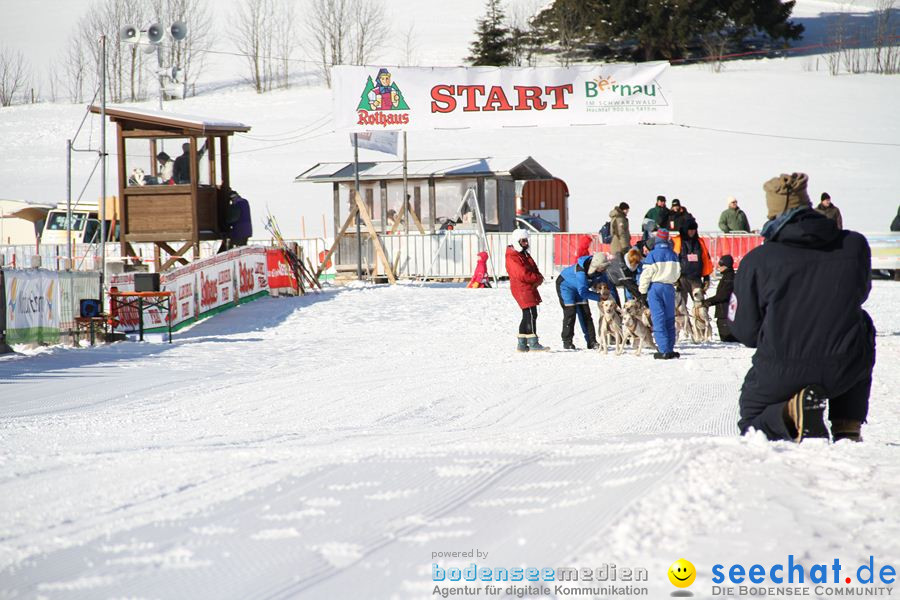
[846, 429]
[805, 414]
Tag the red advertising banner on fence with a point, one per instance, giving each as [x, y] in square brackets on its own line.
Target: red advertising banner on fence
[281, 275]
[737, 245]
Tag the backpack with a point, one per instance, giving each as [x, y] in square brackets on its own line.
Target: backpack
[605, 233]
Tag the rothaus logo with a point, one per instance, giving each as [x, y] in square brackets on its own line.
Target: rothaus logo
[381, 102]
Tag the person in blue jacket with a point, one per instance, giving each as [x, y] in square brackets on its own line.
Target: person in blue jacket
[661, 269]
[575, 287]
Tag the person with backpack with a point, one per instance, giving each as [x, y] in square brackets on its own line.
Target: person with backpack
[524, 281]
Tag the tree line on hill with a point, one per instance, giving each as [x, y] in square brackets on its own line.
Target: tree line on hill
[571, 31]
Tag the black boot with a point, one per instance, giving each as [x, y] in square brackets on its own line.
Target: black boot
[805, 414]
[569, 345]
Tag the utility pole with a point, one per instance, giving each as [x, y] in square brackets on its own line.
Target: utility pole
[102, 166]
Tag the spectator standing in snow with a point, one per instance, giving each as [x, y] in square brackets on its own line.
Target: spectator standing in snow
[524, 280]
[830, 210]
[618, 226]
[480, 277]
[696, 265]
[722, 296]
[895, 224]
[733, 219]
[660, 271]
[659, 215]
[798, 300]
[678, 216]
[575, 287]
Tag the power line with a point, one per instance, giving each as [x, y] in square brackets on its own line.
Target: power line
[283, 144]
[226, 53]
[787, 137]
[277, 137]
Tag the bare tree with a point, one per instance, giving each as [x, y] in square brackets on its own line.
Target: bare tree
[410, 46]
[252, 29]
[107, 17]
[887, 50]
[53, 80]
[338, 31]
[75, 64]
[837, 39]
[369, 29]
[14, 74]
[716, 45]
[285, 39]
[522, 39]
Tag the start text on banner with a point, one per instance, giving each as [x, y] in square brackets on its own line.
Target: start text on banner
[407, 98]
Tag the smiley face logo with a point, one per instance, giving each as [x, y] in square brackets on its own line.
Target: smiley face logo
[682, 573]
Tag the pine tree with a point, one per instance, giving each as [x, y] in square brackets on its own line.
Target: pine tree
[492, 39]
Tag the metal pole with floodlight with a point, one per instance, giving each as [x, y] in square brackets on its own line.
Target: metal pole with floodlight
[102, 166]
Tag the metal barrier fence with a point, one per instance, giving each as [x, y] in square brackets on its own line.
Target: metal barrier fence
[75, 286]
[412, 253]
[86, 257]
[415, 255]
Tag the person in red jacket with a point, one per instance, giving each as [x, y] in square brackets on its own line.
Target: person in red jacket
[524, 280]
[480, 277]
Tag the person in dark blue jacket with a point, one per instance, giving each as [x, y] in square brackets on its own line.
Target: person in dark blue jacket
[798, 299]
[575, 287]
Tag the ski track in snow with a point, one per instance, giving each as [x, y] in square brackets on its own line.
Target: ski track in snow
[325, 446]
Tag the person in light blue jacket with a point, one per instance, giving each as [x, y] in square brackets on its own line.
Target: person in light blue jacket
[575, 287]
[661, 269]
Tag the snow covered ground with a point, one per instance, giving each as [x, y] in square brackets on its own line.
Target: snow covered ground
[326, 446]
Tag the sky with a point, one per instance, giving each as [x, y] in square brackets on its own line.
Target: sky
[434, 22]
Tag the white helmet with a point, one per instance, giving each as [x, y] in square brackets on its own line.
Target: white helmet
[515, 236]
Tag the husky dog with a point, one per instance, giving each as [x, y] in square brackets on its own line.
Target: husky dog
[702, 327]
[603, 291]
[683, 323]
[637, 330]
[611, 327]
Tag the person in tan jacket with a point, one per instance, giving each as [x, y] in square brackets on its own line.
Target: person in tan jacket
[618, 227]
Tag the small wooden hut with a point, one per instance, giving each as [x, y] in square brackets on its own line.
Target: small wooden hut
[184, 213]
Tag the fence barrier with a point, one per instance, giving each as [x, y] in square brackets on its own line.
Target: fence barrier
[412, 254]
